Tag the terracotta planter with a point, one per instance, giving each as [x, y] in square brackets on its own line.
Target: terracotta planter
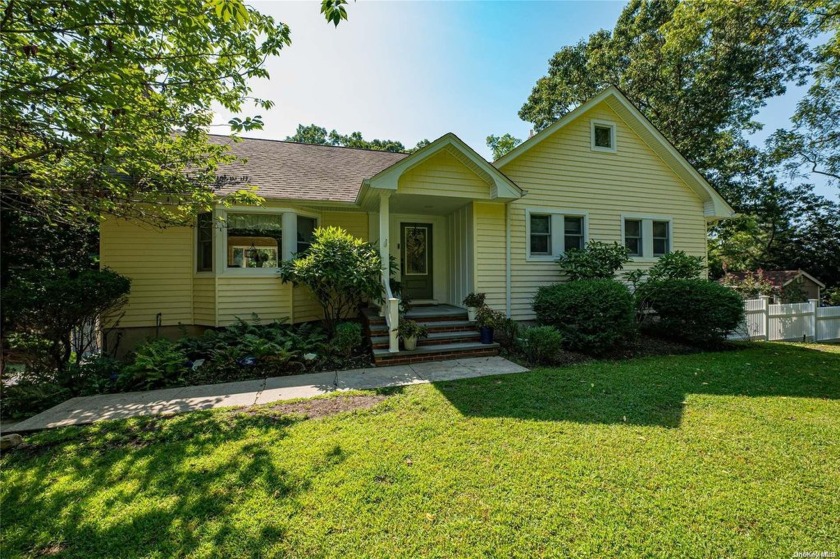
[410, 344]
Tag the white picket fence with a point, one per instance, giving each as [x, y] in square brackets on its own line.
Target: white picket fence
[794, 321]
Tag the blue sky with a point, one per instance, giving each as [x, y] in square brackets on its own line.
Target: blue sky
[413, 70]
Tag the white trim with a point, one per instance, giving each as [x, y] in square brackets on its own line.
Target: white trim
[647, 234]
[558, 231]
[288, 216]
[602, 124]
[501, 187]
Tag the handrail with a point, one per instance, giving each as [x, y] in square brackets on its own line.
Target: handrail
[391, 311]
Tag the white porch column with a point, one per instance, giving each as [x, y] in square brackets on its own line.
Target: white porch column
[390, 306]
[384, 231]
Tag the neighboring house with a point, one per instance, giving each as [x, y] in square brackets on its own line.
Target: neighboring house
[454, 222]
[780, 279]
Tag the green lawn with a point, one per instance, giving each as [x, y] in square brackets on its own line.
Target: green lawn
[732, 454]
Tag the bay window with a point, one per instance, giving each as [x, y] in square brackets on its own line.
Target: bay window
[254, 240]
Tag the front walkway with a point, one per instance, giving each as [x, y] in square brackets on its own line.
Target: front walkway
[78, 411]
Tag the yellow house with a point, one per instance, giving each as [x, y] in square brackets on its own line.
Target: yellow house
[454, 222]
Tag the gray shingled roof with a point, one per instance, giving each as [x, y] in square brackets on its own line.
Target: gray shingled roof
[289, 170]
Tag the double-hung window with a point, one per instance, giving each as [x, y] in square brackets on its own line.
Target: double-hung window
[633, 239]
[551, 234]
[646, 237]
[204, 240]
[661, 238]
[540, 235]
[305, 233]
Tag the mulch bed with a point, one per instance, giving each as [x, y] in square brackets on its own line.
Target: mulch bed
[324, 406]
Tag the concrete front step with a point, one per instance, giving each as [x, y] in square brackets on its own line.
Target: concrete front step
[435, 353]
[434, 338]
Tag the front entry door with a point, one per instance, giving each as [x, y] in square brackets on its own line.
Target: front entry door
[416, 243]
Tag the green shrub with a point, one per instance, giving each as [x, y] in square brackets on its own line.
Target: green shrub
[157, 363]
[674, 265]
[540, 344]
[693, 310]
[97, 374]
[29, 397]
[348, 338]
[340, 270]
[596, 261]
[593, 316]
[506, 333]
[51, 304]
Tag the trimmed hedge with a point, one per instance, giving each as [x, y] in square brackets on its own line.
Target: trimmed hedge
[593, 316]
[692, 310]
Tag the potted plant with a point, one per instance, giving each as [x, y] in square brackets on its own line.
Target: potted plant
[410, 332]
[487, 319]
[473, 302]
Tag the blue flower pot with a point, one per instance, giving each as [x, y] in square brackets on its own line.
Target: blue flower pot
[486, 334]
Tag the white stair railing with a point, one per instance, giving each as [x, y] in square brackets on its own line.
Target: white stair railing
[391, 311]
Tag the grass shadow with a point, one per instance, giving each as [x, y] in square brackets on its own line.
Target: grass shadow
[648, 391]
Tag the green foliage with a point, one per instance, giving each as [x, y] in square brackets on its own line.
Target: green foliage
[751, 285]
[22, 399]
[540, 344]
[674, 265]
[593, 316]
[411, 329]
[157, 363]
[348, 338]
[596, 261]
[506, 334]
[813, 144]
[340, 270]
[51, 304]
[94, 90]
[692, 310]
[314, 134]
[500, 145]
[794, 292]
[831, 297]
[475, 300]
[488, 318]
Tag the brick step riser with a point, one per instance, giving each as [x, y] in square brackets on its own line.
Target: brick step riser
[405, 360]
[426, 342]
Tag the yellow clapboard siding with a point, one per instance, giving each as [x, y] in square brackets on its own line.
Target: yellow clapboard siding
[355, 223]
[204, 300]
[443, 175]
[564, 173]
[241, 297]
[489, 257]
[160, 265]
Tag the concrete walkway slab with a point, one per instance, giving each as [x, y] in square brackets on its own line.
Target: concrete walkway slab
[80, 411]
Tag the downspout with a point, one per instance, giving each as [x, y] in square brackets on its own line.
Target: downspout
[507, 260]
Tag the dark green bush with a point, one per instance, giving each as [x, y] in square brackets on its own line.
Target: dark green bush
[157, 363]
[597, 260]
[506, 333]
[692, 310]
[541, 344]
[340, 270]
[348, 338]
[28, 397]
[51, 304]
[593, 316]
